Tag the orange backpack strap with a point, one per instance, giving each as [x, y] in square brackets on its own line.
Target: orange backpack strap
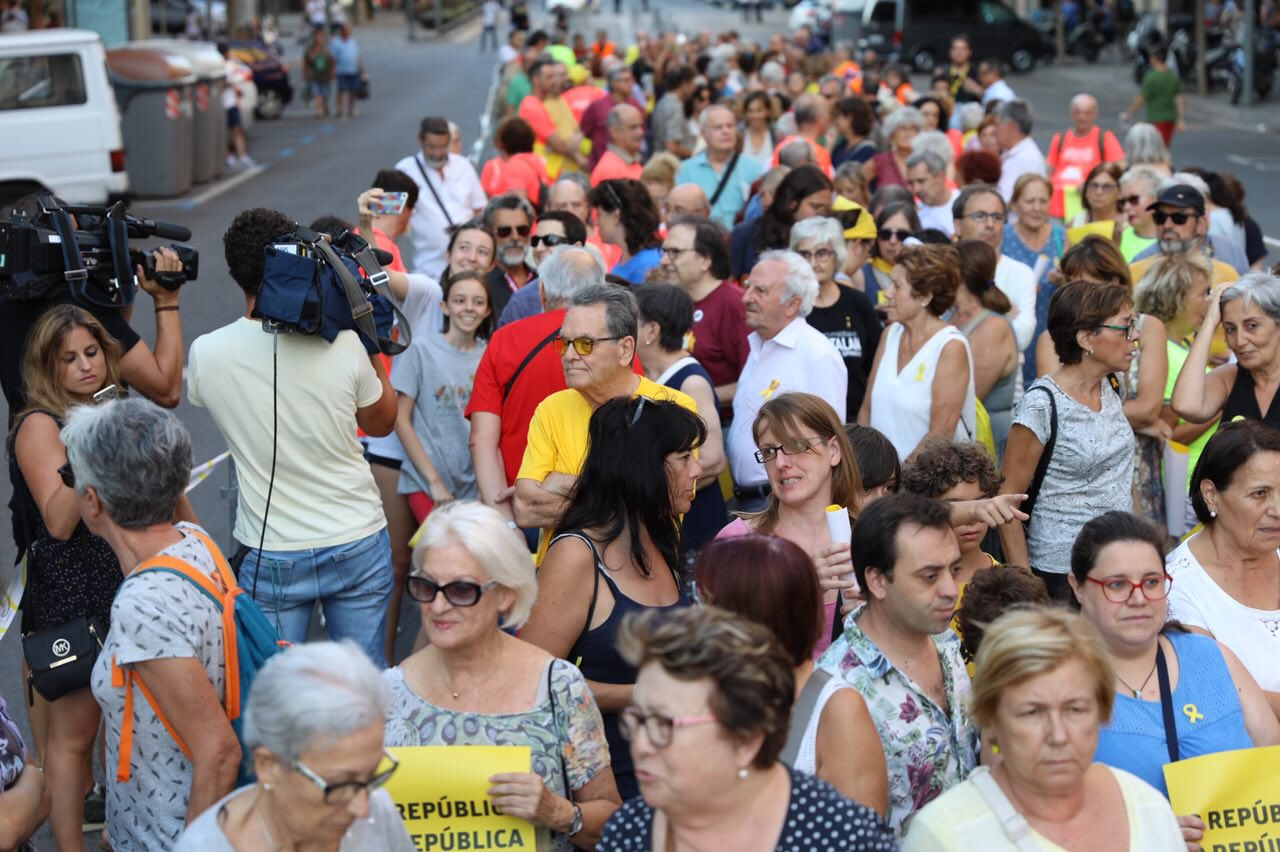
[121, 678]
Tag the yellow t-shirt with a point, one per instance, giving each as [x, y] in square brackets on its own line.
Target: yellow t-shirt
[558, 435]
[1222, 272]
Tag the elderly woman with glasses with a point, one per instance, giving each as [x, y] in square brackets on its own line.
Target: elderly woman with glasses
[1139, 186]
[706, 722]
[129, 463]
[1226, 576]
[314, 723]
[889, 167]
[1119, 579]
[476, 684]
[1042, 687]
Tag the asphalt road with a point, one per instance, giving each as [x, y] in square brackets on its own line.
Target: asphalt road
[309, 168]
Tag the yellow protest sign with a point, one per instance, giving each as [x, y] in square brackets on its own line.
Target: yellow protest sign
[440, 793]
[1104, 228]
[1236, 793]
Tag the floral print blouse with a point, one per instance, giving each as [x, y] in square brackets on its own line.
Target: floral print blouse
[563, 729]
[927, 750]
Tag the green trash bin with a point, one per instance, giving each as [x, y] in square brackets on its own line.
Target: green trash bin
[154, 92]
[210, 142]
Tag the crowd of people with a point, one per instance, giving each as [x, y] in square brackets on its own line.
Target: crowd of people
[789, 459]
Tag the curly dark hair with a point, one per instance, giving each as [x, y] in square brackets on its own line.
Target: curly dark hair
[938, 465]
[990, 594]
[246, 240]
[640, 218]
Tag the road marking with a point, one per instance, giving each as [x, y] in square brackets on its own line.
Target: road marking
[1271, 242]
[486, 118]
[285, 153]
[1261, 163]
[214, 191]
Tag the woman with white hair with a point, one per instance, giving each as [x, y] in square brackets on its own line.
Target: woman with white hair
[314, 723]
[844, 315]
[1143, 146]
[889, 168]
[475, 684]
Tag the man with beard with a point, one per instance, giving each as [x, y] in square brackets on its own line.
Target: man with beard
[510, 218]
[451, 193]
[554, 228]
[1182, 228]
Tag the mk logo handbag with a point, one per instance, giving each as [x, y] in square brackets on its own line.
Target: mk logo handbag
[61, 658]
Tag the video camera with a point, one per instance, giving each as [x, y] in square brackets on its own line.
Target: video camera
[43, 248]
[315, 285]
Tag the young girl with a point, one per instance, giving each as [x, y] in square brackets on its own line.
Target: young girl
[433, 380]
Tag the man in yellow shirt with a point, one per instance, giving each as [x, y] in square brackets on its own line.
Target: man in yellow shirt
[596, 345]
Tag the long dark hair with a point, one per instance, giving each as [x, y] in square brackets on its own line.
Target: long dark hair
[640, 219]
[623, 483]
[774, 231]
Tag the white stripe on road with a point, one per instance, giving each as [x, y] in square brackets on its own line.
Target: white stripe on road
[486, 117]
[213, 191]
[1274, 243]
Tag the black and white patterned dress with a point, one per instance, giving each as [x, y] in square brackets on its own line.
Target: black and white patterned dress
[818, 820]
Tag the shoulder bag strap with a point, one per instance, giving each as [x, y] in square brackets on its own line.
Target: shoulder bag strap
[542, 344]
[1166, 704]
[800, 714]
[1014, 824]
[555, 721]
[575, 653]
[1042, 466]
[434, 194]
[724, 179]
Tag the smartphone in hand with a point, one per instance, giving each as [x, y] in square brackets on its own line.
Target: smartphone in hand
[389, 204]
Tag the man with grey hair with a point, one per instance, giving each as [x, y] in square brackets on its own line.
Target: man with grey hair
[518, 370]
[596, 344]
[620, 85]
[795, 154]
[722, 174]
[786, 354]
[1019, 153]
[927, 177]
[626, 139]
[509, 218]
[1182, 228]
[1075, 152]
[1213, 235]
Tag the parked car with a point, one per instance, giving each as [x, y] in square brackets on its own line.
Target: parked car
[58, 118]
[270, 77]
[920, 32]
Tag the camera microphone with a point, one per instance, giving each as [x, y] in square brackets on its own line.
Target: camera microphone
[165, 230]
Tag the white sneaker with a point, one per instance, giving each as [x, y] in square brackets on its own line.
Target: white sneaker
[247, 162]
[232, 162]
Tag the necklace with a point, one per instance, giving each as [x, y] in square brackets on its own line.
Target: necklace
[1138, 692]
[262, 820]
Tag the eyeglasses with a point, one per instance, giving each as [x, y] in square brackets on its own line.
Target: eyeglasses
[893, 234]
[1119, 590]
[981, 216]
[344, 791]
[656, 727]
[459, 593]
[673, 252]
[67, 475]
[550, 240]
[506, 231]
[1178, 218]
[822, 254]
[581, 345]
[794, 447]
[1135, 200]
[1103, 187]
[1129, 328]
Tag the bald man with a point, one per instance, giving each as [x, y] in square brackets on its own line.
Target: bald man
[723, 175]
[1074, 152]
[626, 139]
[686, 200]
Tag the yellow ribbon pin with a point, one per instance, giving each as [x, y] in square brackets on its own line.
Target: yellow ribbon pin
[920, 372]
[768, 392]
[1192, 713]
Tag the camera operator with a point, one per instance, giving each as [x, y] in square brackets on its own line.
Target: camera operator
[288, 406]
[156, 375]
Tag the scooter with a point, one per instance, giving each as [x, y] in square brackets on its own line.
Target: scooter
[1264, 66]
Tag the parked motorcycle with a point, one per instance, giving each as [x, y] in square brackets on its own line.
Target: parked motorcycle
[1085, 39]
[1264, 66]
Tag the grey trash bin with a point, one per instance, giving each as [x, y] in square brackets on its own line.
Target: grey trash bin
[210, 143]
[153, 91]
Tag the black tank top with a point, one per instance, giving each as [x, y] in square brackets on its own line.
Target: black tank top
[1242, 402]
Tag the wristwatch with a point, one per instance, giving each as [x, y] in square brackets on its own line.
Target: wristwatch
[575, 825]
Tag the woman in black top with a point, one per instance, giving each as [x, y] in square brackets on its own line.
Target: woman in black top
[706, 723]
[805, 192]
[1249, 310]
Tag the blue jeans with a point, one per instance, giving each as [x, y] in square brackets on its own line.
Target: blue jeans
[351, 581]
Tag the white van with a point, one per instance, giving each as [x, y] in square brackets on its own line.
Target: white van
[58, 118]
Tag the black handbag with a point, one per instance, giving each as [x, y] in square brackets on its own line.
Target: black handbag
[60, 660]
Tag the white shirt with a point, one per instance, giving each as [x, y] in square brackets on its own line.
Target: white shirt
[1023, 158]
[1197, 601]
[940, 216]
[324, 494]
[459, 192]
[902, 400]
[798, 358]
[490, 10]
[1017, 281]
[998, 91]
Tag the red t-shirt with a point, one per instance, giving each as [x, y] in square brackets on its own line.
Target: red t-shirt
[1071, 158]
[519, 171]
[720, 333]
[611, 167]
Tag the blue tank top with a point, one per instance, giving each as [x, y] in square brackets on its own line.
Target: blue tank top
[600, 661]
[1206, 712]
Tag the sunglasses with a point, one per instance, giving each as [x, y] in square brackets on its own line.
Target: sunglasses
[581, 345]
[898, 234]
[549, 240]
[458, 593]
[67, 475]
[1178, 218]
[506, 231]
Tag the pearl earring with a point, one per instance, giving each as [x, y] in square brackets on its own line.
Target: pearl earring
[266, 786]
[1213, 513]
[742, 773]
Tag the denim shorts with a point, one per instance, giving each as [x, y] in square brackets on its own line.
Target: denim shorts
[349, 83]
[319, 88]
